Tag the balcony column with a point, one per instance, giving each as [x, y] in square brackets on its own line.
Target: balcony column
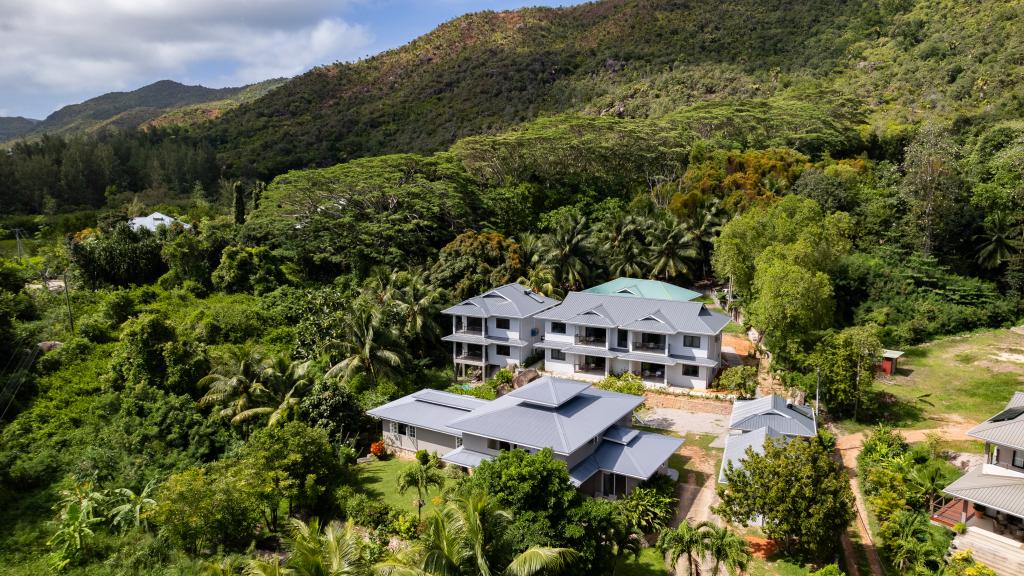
[963, 513]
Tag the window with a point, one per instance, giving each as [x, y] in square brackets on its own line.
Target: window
[558, 355]
[502, 350]
[558, 327]
[691, 341]
[458, 442]
[623, 339]
[691, 371]
[501, 323]
[1018, 459]
[498, 445]
[614, 485]
[403, 429]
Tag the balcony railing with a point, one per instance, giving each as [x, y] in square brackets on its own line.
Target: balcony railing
[472, 357]
[470, 331]
[591, 340]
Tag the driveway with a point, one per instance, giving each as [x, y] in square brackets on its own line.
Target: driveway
[683, 421]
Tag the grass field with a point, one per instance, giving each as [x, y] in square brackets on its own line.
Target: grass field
[970, 377]
[380, 480]
[650, 563]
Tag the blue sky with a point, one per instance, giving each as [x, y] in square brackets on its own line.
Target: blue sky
[59, 52]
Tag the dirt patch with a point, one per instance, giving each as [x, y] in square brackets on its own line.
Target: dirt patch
[739, 344]
[698, 460]
[687, 403]
[762, 547]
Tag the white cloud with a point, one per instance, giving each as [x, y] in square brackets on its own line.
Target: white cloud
[101, 45]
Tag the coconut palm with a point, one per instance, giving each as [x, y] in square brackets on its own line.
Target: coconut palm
[272, 566]
[687, 540]
[418, 303]
[285, 381]
[366, 347]
[908, 540]
[314, 550]
[670, 248]
[132, 510]
[541, 279]
[929, 481]
[999, 242]
[622, 241]
[727, 549]
[568, 248]
[235, 385]
[456, 542]
[421, 476]
[706, 224]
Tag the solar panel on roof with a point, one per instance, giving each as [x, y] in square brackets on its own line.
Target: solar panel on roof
[1008, 414]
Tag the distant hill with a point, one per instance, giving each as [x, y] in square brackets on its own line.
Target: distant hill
[14, 126]
[898, 62]
[165, 102]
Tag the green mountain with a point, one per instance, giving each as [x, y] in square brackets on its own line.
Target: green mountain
[14, 126]
[886, 64]
[163, 103]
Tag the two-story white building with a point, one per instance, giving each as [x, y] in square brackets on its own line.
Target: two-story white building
[615, 328]
[496, 329]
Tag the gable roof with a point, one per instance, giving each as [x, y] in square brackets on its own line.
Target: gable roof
[640, 457]
[992, 486]
[1005, 428]
[550, 392]
[508, 301]
[736, 447]
[641, 288]
[430, 409]
[774, 412]
[662, 316]
[564, 428]
[153, 221]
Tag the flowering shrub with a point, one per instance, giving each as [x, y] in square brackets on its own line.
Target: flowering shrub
[378, 449]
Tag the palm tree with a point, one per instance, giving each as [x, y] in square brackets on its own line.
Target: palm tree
[670, 248]
[999, 242]
[622, 240]
[365, 348]
[235, 385]
[909, 541]
[706, 224]
[727, 548]
[687, 540]
[456, 542]
[568, 248]
[133, 510]
[621, 538]
[929, 482]
[285, 381]
[541, 279]
[421, 476]
[336, 550]
[418, 303]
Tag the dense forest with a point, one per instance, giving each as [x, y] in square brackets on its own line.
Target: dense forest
[845, 175]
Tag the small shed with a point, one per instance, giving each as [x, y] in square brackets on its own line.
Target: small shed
[889, 358]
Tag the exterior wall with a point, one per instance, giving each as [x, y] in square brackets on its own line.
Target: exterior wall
[619, 366]
[428, 440]
[570, 332]
[494, 358]
[579, 455]
[676, 378]
[715, 347]
[676, 346]
[1004, 458]
[561, 367]
[511, 332]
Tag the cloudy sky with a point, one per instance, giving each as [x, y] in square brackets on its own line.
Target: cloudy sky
[58, 52]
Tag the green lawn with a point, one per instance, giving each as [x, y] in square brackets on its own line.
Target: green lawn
[650, 563]
[970, 376]
[762, 567]
[380, 480]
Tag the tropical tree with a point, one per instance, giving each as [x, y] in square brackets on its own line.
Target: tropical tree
[999, 242]
[687, 540]
[314, 550]
[421, 475]
[235, 385]
[133, 510]
[647, 509]
[623, 243]
[568, 248]
[418, 303]
[929, 481]
[670, 248]
[541, 279]
[366, 346]
[727, 549]
[286, 381]
[458, 539]
[706, 224]
[909, 542]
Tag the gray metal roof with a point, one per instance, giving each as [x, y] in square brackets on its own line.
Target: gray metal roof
[649, 358]
[663, 316]
[462, 457]
[774, 412]
[430, 409]
[736, 447]
[553, 344]
[550, 392]
[991, 486]
[620, 434]
[591, 351]
[563, 429]
[508, 301]
[640, 458]
[1005, 428]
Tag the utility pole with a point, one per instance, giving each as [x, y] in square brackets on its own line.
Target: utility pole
[17, 241]
[67, 300]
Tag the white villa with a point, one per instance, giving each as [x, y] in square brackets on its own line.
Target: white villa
[617, 327]
[496, 329]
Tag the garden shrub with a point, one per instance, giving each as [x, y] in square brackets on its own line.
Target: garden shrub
[739, 379]
[626, 383]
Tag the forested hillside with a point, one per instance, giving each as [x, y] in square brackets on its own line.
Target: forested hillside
[843, 175]
[11, 127]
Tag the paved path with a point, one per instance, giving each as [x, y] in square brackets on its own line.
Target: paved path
[849, 447]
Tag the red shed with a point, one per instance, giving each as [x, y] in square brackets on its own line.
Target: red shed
[889, 358]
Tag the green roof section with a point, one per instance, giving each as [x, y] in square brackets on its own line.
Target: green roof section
[640, 288]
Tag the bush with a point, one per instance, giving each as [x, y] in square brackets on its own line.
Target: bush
[368, 512]
[626, 383]
[739, 379]
[648, 510]
[379, 449]
[245, 269]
